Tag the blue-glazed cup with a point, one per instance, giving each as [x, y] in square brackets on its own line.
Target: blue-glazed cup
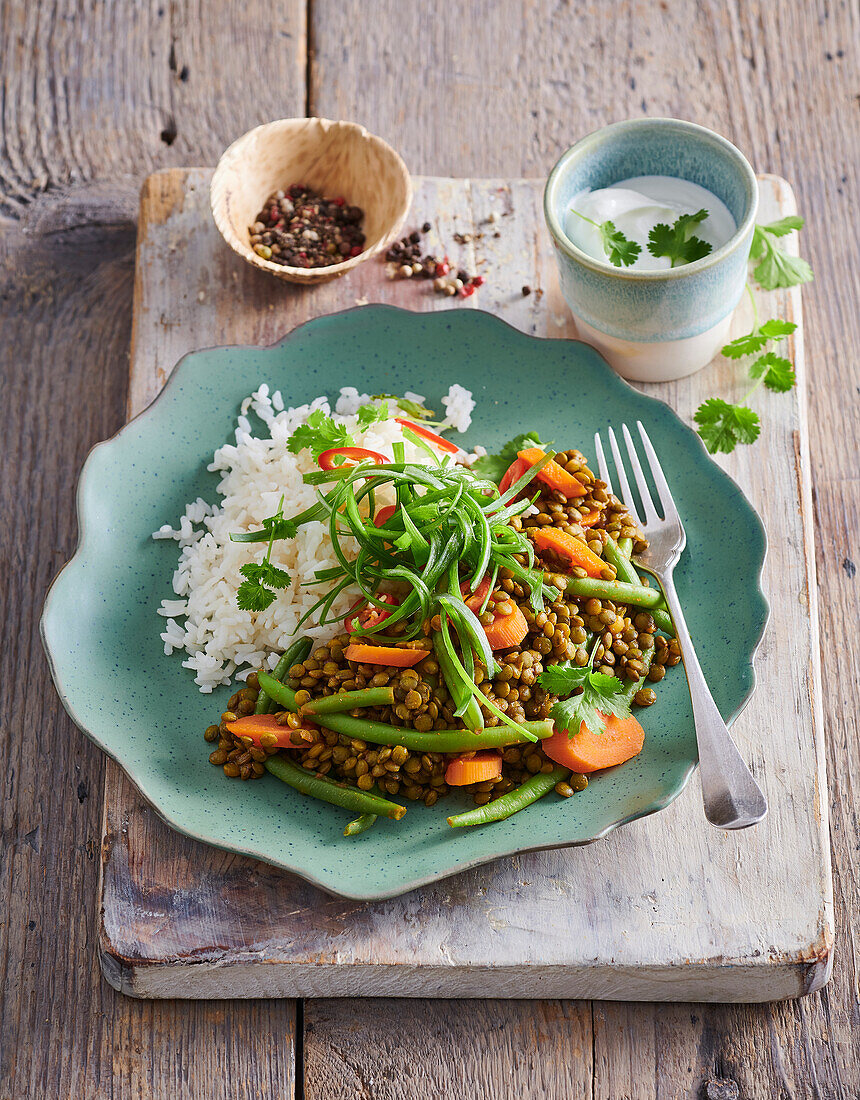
[653, 326]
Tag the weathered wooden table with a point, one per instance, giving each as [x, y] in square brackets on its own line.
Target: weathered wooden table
[94, 96]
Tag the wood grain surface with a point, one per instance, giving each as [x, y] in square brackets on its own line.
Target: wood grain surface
[94, 96]
[665, 909]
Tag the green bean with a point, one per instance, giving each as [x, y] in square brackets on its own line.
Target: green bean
[534, 788]
[627, 572]
[380, 733]
[360, 825]
[347, 700]
[297, 652]
[456, 684]
[626, 547]
[619, 591]
[327, 790]
[634, 685]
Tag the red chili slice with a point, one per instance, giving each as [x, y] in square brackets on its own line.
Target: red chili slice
[513, 473]
[384, 515]
[360, 454]
[368, 616]
[442, 444]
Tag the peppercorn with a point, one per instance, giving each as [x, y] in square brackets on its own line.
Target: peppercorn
[305, 229]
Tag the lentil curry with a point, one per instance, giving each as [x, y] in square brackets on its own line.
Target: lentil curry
[501, 639]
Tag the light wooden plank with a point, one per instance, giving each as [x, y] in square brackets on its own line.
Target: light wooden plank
[693, 926]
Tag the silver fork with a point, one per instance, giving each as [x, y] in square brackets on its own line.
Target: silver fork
[733, 799]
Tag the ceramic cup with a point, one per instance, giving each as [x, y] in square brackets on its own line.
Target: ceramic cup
[653, 326]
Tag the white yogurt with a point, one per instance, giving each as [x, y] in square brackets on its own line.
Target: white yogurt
[636, 205]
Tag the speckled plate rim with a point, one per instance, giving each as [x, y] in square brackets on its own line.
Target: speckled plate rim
[658, 803]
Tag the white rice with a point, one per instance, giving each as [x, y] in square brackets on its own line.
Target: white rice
[202, 619]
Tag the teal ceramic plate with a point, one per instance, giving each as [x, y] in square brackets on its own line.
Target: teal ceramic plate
[101, 630]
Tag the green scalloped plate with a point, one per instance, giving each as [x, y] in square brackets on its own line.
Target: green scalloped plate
[101, 631]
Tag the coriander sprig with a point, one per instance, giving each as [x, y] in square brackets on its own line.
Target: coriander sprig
[591, 696]
[257, 590]
[677, 242]
[723, 425]
[319, 433]
[620, 250]
[370, 414]
[777, 268]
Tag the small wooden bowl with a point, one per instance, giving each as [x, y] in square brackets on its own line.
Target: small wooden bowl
[334, 158]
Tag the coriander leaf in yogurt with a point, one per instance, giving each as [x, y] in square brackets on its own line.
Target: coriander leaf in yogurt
[637, 206]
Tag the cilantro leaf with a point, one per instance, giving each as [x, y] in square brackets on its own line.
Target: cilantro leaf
[266, 573]
[622, 252]
[369, 414]
[597, 696]
[776, 329]
[256, 592]
[745, 345]
[755, 341]
[493, 467]
[253, 597]
[677, 242]
[563, 678]
[319, 433]
[695, 248]
[723, 425]
[776, 370]
[783, 226]
[778, 269]
[280, 528]
[759, 243]
[689, 221]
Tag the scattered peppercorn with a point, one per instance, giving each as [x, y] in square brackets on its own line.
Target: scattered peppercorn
[407, 261]
[299, 228]
[526, 291]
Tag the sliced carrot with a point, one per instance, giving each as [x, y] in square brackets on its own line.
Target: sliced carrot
[553, 474]
[265, 732]
[569, 547]
[479, 768]
[513, 473]
[474, 600]
[589, 519]
[507, 630]
[384, 655]
[586, 752]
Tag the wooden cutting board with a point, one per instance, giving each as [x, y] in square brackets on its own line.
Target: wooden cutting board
[667, 908]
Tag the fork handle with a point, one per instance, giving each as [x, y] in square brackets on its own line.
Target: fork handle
[733, 799]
